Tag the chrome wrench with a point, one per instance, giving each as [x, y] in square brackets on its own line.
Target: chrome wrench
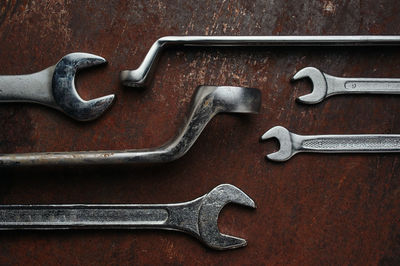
[325, 85]
[198, 217]
[141, 76]
[291, 143]
[55, 87]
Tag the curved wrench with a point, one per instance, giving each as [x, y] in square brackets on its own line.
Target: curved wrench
[198, 217]
[291, 143]
[325, 85]
[206, 103]
[55, 87]
[141, 76]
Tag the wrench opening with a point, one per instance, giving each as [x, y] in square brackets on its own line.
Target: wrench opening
[319, 85]
[64, 91]
[284, 138]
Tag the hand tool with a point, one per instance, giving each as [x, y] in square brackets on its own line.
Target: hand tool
[291, 143]
[55, 87]
[325, 85]
[198, 217]
[206, 103]
[140, 77]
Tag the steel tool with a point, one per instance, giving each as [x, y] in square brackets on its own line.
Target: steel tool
[325, 85]
[206, 103]
[291, 143]
[141, 76]
[55, 87]
[198, 217]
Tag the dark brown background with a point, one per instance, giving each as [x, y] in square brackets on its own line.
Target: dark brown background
[313, 209]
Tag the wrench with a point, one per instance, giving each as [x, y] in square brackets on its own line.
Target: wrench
[291, 143]
[206, 103]
[55, 87]
[325, 85]
[198, 217]
[141, 76]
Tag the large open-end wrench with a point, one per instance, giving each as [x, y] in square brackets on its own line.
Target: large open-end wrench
[325, 85]
[141, 76]
[198, 217]
[55, 87]
[291, 143]
[206, 103]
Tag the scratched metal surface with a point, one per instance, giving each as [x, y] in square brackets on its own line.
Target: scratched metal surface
[314, 209]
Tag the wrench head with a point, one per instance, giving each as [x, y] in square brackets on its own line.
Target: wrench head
[64, 91]
[211, 205]
[320, 87]
[285, 143]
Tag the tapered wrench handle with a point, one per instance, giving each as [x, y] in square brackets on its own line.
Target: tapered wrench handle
[34, 87]
[347, 143]
[338, 85]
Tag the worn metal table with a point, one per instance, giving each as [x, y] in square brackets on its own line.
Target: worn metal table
[313, 209]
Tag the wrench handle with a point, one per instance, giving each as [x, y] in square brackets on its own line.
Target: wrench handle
[362, 85]
[34, 87]
[351, 143]
[81, 216]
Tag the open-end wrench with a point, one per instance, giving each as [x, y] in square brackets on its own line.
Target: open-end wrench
[198, 217]
[141, 76]
[325, 85]
[291, 143]
[55, 87]
[206, 103]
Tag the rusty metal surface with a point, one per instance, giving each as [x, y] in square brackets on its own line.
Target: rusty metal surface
[313, 209]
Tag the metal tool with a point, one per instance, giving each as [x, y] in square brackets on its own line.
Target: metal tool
[55, 87]
[206, 103]
[141, 76]
[198, 217]
[291, 143]
[325, 85]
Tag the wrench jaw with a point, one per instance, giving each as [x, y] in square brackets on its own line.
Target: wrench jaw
[283, 135]
[64, 91]
[320, 86]
[211, 205]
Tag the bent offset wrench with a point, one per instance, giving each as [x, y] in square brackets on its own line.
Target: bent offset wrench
[291, 143]
[55, 87]
[206, 103]
[141, 76]
[325, 85]
[198, 217]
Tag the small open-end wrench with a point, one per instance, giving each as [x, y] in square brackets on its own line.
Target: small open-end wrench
[291, 143]
[206, 103]
[55, 87]
[325, 85]
[198, 217]
[140, 77]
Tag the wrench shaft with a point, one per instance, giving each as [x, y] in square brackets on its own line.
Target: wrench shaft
[338, 85]
[81, 216]
[384, 86]
[351, 143]
[350, 40]
[34, 87]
